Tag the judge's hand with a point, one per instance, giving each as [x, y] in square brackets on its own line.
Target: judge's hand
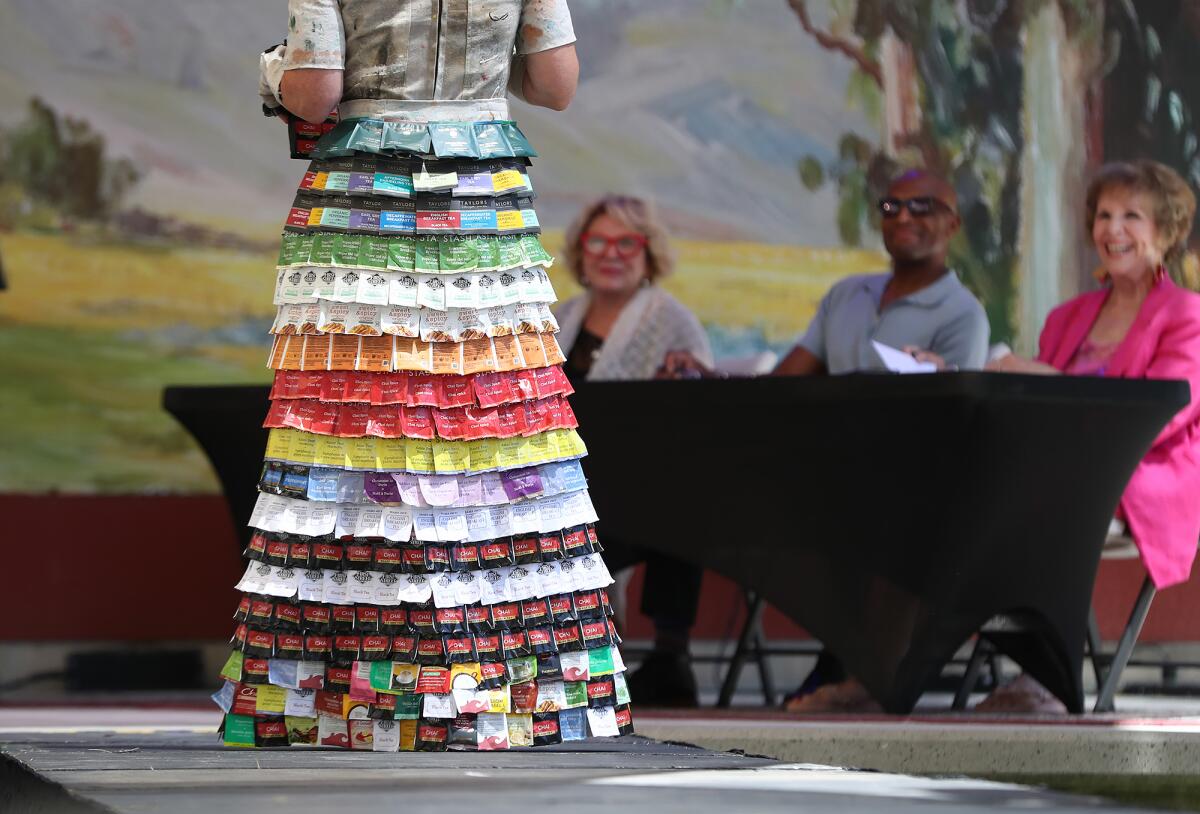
[922, 355]
[680, 364]
[1011, 363]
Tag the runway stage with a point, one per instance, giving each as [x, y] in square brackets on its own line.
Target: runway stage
[145, 760]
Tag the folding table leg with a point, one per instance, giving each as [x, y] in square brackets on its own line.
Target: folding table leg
[1093, 646]
[764, 666]
[983, 649]
[997, 670]
[754, 609]
[1104, 701]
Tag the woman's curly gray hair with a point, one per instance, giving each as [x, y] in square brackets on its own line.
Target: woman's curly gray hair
[639, 215]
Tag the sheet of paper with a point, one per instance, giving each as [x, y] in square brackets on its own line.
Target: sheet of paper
[479, 524]
[362, 586]
[439, 490]
[897, 361]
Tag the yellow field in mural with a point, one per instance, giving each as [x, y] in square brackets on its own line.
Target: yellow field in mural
[85, 368]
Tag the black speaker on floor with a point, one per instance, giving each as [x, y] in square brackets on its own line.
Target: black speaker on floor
[135, 670]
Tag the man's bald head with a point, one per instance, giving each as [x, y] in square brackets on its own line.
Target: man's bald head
[918, 183]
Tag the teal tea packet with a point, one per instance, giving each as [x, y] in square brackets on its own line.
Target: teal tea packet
[393, 177]
[407, 137]
[337, 175]
[516, 140]
[367, 136]
[490, 141]
[453, 140]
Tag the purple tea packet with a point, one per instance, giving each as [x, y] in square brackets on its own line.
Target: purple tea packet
[474, 181]
[381, 488]
[519, 483]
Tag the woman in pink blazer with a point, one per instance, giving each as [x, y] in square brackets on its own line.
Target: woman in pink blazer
[1139, 325]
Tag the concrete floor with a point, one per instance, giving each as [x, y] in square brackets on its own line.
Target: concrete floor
[144, 769]
[147, 752]
[164, 756]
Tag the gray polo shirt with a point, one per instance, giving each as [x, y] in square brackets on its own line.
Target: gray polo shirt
[943, 317]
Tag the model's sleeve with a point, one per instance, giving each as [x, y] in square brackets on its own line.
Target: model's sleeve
[316, 38]
[545, 24]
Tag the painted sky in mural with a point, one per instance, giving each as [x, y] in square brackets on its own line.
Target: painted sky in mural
[707, 107]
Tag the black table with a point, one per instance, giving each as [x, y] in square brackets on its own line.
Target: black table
[891, 516]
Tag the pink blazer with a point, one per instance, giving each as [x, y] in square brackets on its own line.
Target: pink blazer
[1161, 504]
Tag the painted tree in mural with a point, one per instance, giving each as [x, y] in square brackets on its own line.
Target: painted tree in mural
[1152, 90]
[947, 80]
[60, 161]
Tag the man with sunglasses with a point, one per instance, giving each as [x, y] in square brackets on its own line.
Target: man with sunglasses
[919, 304]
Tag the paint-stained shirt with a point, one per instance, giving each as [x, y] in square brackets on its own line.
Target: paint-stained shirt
[422, 49]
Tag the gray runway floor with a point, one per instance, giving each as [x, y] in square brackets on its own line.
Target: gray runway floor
[186, 771]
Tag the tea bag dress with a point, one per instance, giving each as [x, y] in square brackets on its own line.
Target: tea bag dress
[424, 571]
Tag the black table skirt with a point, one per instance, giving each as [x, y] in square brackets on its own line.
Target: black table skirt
[891, 516]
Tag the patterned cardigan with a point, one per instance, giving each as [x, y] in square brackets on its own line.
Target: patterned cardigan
[652, 324]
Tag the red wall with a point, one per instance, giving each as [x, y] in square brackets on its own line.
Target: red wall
[133, 568]
[80, 560]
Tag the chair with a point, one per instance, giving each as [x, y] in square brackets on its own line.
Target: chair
[1117, 546]
[752, 644]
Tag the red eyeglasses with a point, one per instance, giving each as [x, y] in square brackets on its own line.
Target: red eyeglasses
[627, 246]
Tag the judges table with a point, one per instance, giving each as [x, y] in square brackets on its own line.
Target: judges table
[891, 516]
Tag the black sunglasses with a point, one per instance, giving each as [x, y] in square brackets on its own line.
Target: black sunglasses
[919, 207]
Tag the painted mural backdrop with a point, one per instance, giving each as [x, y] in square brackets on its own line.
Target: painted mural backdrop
[141, 191]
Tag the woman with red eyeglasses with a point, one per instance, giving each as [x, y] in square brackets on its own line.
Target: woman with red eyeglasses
[623, 326]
